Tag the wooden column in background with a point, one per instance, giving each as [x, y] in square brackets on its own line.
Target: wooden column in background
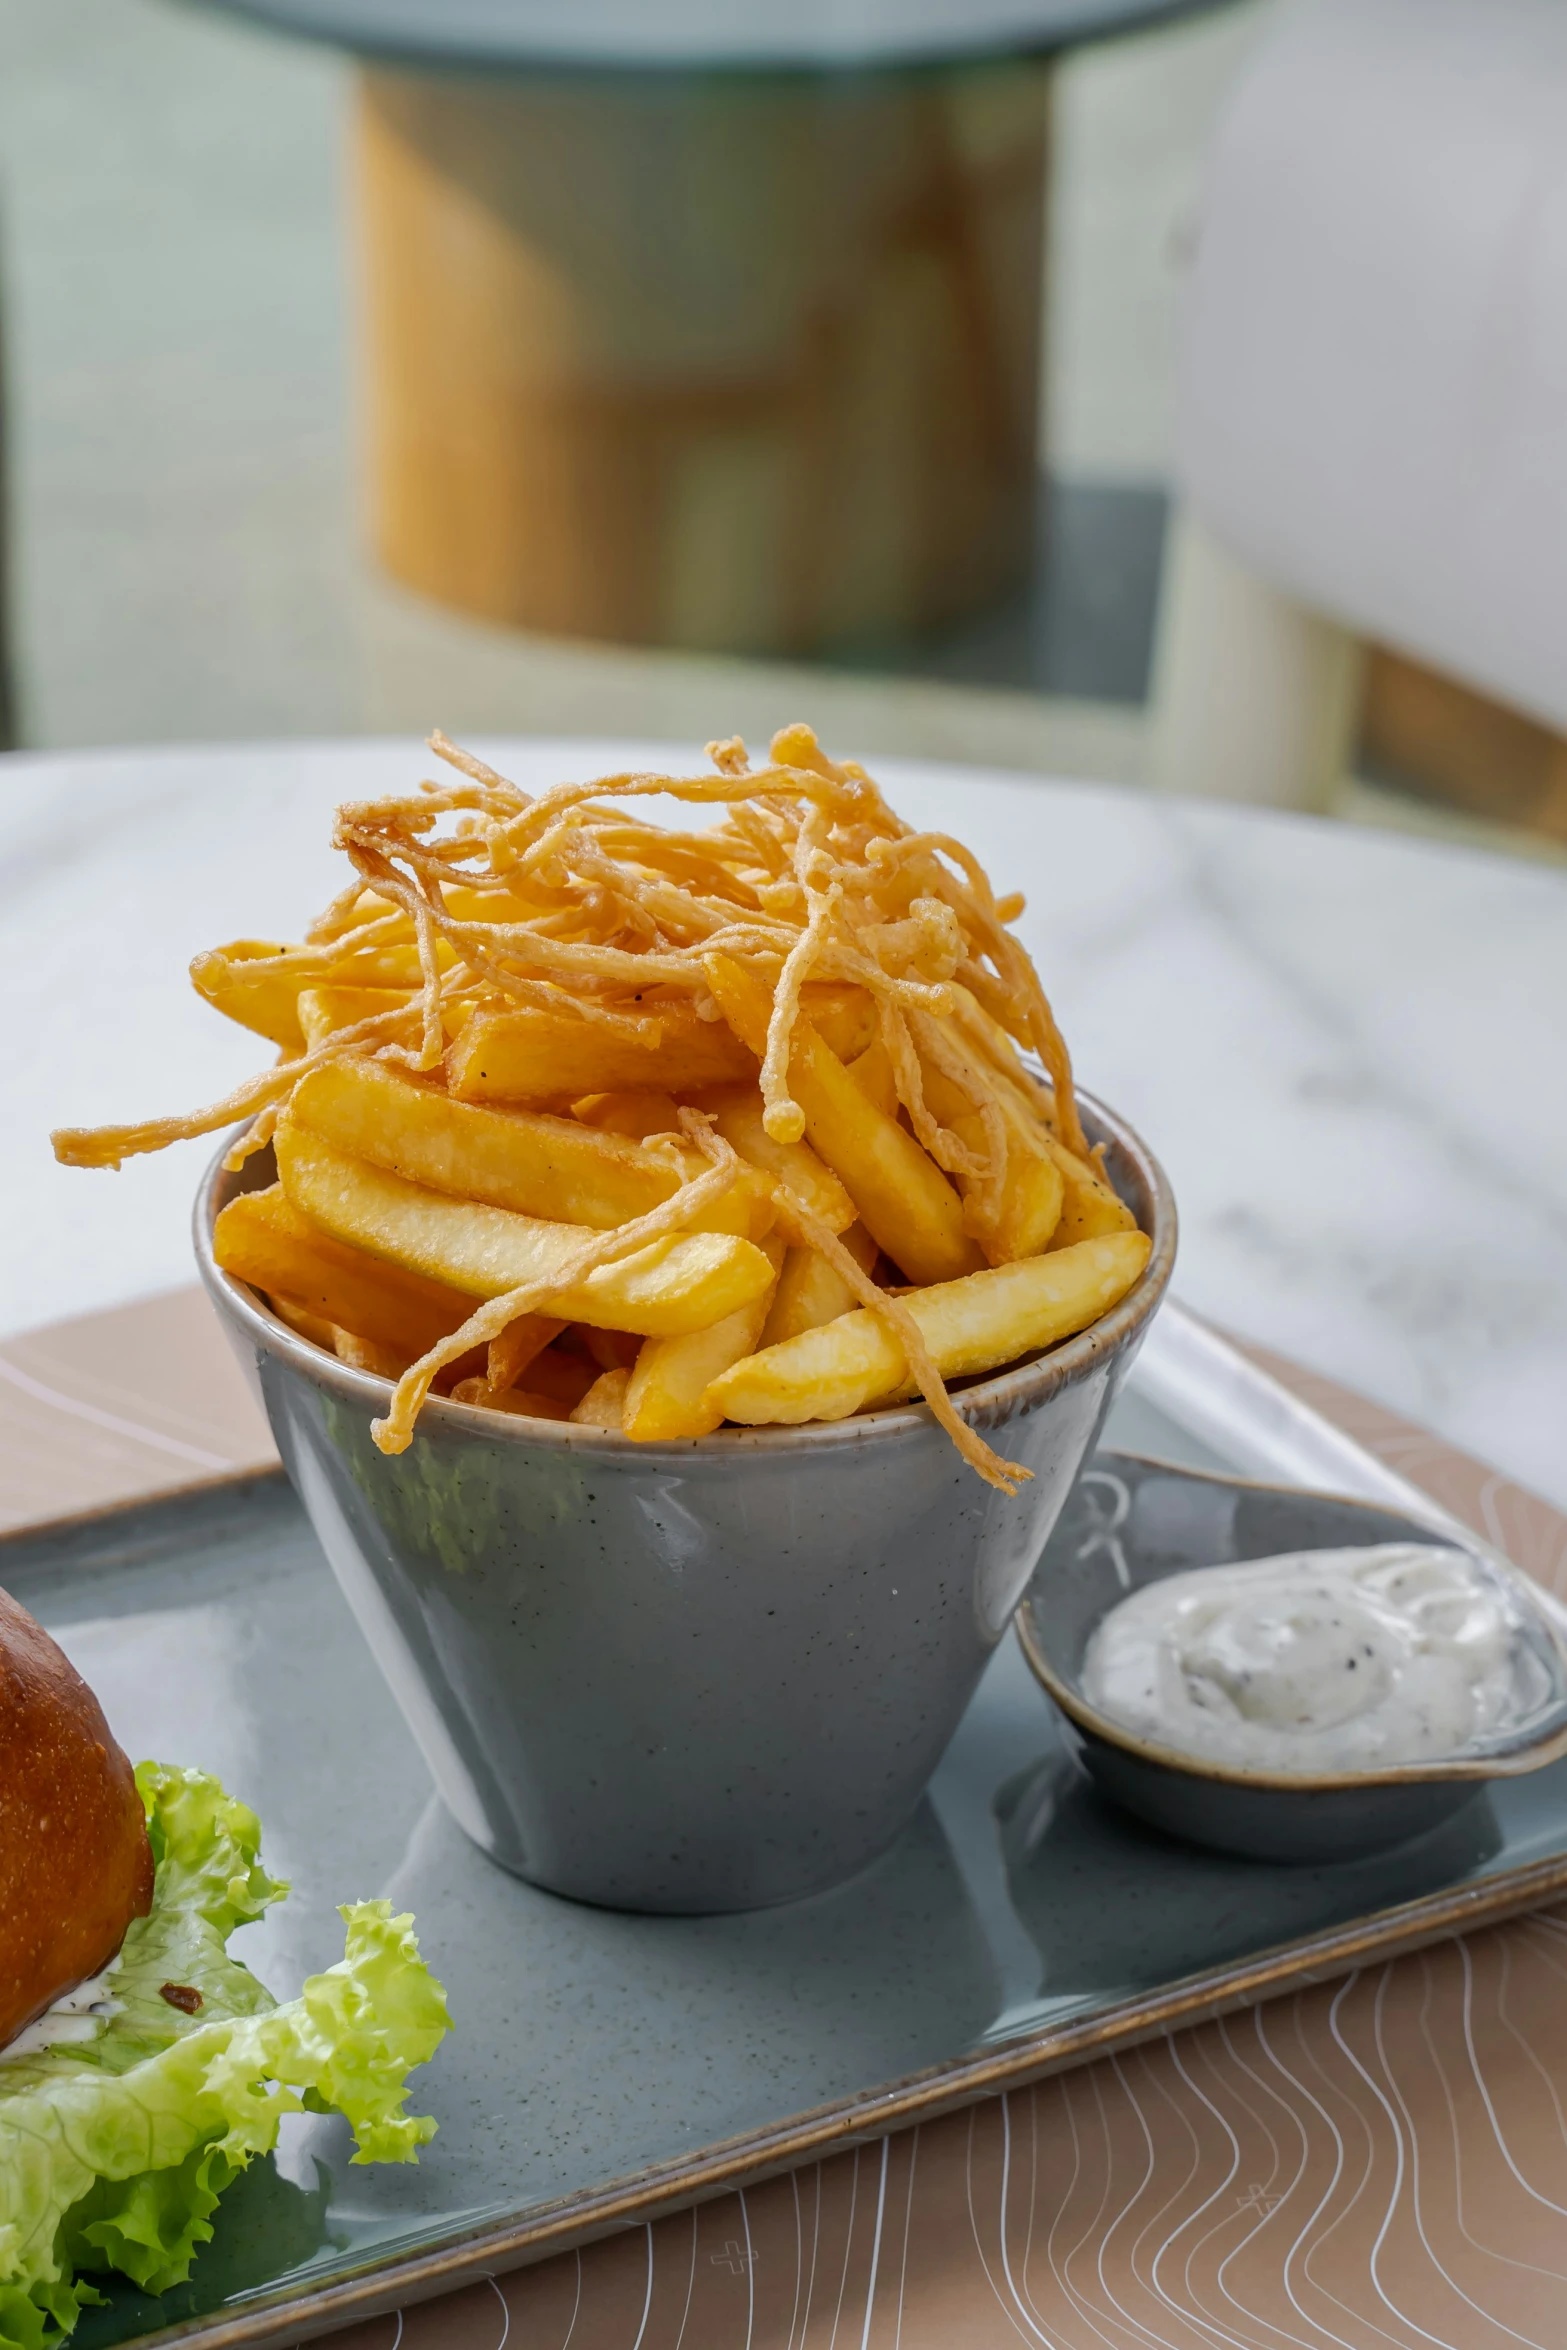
[744, 363]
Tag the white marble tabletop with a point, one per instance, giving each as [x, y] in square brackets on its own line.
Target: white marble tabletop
[1346, 1047]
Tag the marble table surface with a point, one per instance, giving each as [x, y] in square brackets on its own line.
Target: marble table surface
[1346, 1047]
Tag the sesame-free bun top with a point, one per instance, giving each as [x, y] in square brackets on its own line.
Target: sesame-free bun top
[75, 1863]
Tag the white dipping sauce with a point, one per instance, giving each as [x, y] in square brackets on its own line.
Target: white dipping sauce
[1319, 1660]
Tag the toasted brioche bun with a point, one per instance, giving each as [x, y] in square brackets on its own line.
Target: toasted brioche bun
[75, 1863]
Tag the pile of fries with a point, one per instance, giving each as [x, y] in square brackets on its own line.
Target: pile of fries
[581, 1117]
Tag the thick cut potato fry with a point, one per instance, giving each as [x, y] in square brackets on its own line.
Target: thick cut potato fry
[604, 1404]
[324, 1010]
[873, 1073]
[363, 1354]
[258, 983]
[904, 1199]
[668, 1394]
[977, 1324]
[680, 1283]
[519, 1159]
[539, 1166]
[244, 983]
[523, 1403]
[737, 1113]
[844, 1017]
[1021, 1221]
[260, 1238]
[533, 1056]
[1088, 1206]
[635, 1114]
[811, 1292]
[320, 1333]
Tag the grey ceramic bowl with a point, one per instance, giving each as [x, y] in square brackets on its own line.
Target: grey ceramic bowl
[1130, 1522]
[698, 1676]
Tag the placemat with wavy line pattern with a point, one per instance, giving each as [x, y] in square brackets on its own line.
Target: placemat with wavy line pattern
[1376, 2162]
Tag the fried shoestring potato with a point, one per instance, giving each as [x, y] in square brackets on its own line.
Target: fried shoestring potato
[839, 987]
[976, 1324]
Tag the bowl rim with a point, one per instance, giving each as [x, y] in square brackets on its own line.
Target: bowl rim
[988, 1403]
[1530, 1753]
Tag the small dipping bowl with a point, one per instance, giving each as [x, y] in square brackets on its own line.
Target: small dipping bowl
[1131, 1522]
[697, 1676]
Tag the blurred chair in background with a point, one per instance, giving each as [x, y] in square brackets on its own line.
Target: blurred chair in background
[1372, 431]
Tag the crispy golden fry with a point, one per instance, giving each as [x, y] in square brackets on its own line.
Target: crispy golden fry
[523, 1403]
[843, 1017]
[873, 1074]
[312, 1326]
[611, 1350]
[904, 1199]
[258, 983]
[262, 1239]
[363, 1354]
[810, 1291]
[604, 1404]
[635, 1114]
[668, 1394]
[680, 1283]
[972, 1325]
[737, 1113]
[1089, 1206]
[539, 1166]
[1017, 1217]
[534, 1056]
[323, 1011]
[565, 1377]
[525, 1160]
[241, 981]
[516, 1348]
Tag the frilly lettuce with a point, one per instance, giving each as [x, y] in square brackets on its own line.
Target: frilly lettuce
[114, 2152]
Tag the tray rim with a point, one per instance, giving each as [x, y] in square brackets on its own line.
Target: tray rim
[377, 2285]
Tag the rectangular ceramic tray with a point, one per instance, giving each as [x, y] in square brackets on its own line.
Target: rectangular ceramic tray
[607, 2067]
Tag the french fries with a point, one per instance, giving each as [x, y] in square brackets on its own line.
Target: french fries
[545, 1056]
[1089, 1206]
[905, 1201]
[324, 1011]
[579, 1117]
[258, 983]
[539, 1166]
[737, 1113]
[975, 1324]
[811, 1291]
[604, 1404]
[263, 1239]
[670, 1286]
[669, 1393]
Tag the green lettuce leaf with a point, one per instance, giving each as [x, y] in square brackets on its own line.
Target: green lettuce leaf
[114, 2151]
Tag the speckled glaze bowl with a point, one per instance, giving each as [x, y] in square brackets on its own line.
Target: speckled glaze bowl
[698, 1676]
[1131, 1522]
